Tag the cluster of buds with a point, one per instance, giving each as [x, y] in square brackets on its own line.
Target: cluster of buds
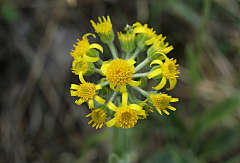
[112, 97]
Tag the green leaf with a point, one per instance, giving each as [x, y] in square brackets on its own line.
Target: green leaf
[216, 113]
[220, 143]
[192, 63]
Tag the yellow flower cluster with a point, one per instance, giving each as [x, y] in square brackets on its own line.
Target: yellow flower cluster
[121, 82]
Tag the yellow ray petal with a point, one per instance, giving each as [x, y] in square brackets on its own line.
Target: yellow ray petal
[117, 125]
[74, 86]
[134, 83]
[99, 99]
[124, 99]
[162, 54]
[175, 81]
[115, 89]
[136, 107]
[90, 122]
[90, 59]
[154, 73]
[81, 77]
[159, 111]
[142, 113]
[172, 84]
[132, 69]
[93, 24]
[161, 58]
[166, 112]
[171, 108]
[104, 68]
[108, 19]
[156, 62]
[131, 61]
[88, 34]
[90, 104]
[123, 88]
[111, 123]
[150, 41]
[173, 99]
[139, 30]
[73, 93]
[96, 46]
[161, 84]
[79, 102]
[97, 87]
[97, 126]
[111, 106]
[137, 24]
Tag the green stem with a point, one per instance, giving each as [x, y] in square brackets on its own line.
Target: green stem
[136, 52]
[104, 83]
[97, 70]
[144, 93]
[114, 95]
[142, 64]
[131, 94]
[128, 55]
[139, 75]
[113, 50]
[123, 54]
[100, 62]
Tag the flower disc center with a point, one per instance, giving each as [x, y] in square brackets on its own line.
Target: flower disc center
[86, 91]
[161, 102]
[119, 72]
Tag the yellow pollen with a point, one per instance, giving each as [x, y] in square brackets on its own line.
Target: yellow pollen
[81, 47]
[81, 65]
[161, 102]
[126, 117]
[119, 72]
[86, 91]
[170, 69]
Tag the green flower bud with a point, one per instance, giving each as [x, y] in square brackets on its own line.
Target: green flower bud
[127, 41]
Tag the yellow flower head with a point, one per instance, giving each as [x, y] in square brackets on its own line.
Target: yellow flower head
[161, 47]
[149, 36]
[104, 29]
[86, 92]
[161, 102]
[99, 118]
[126, 116]
[119, 73]
[83, 47]
[81, 65]
[127, 41]
[104, 26]
[168, 71]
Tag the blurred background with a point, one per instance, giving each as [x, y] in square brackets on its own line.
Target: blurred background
[39, 121]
